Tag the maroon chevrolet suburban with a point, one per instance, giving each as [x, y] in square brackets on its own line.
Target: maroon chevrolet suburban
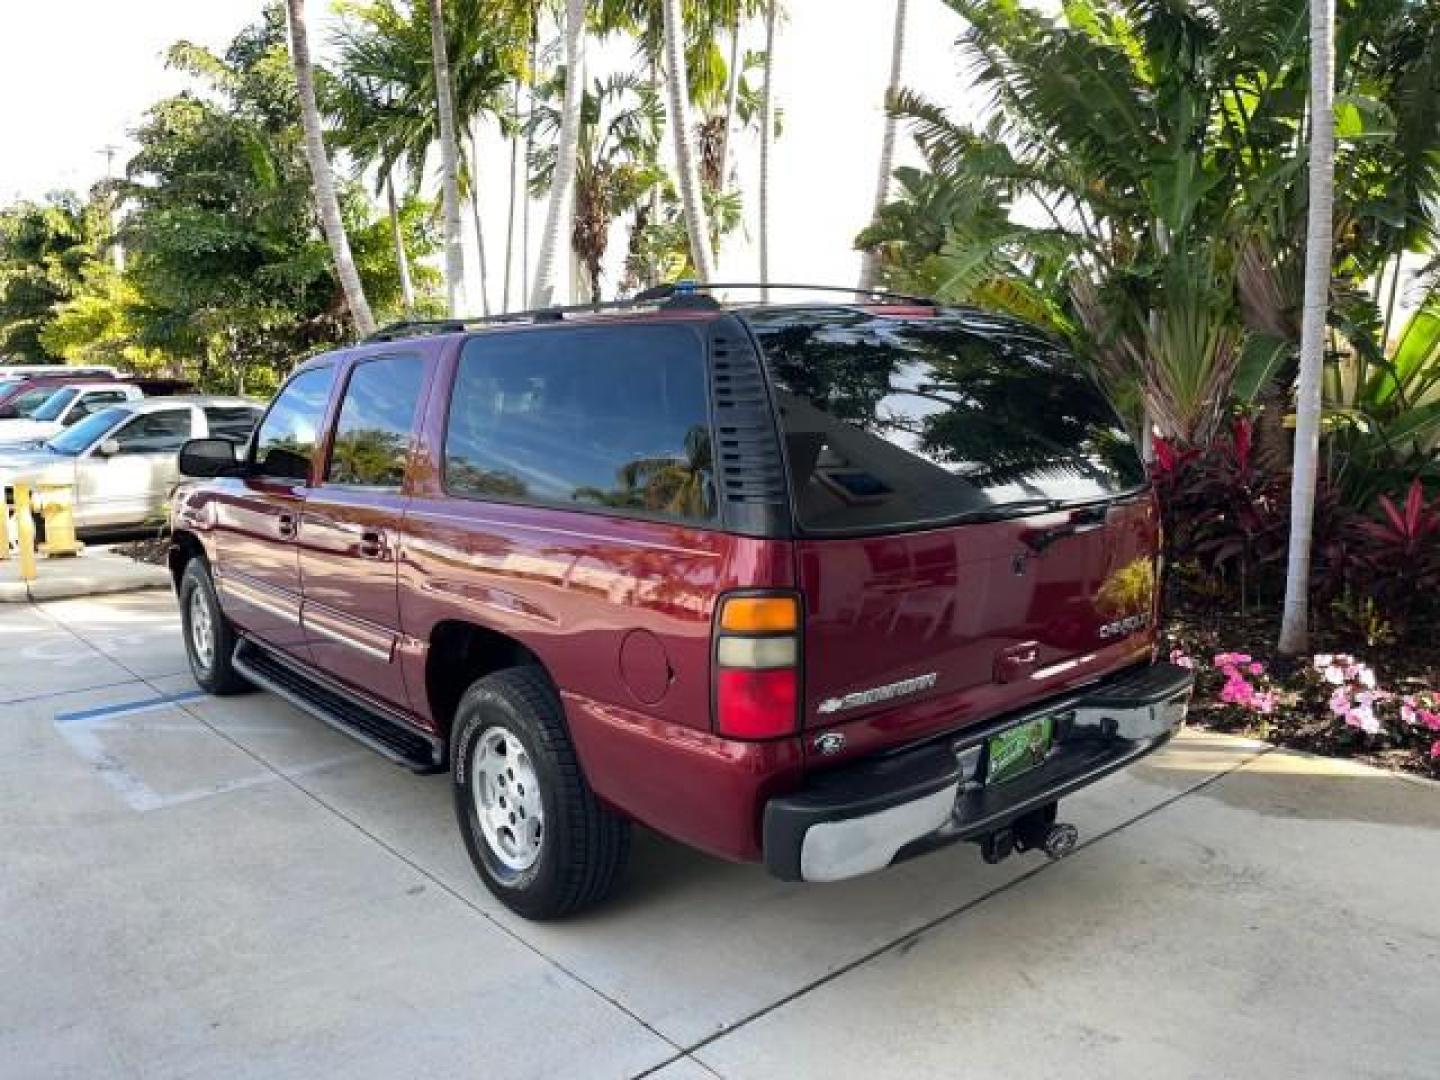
[824, 585]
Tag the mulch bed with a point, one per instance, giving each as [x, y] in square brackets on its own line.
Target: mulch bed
[1404, 662]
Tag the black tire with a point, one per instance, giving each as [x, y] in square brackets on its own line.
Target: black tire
[583, 847]
[217, 675]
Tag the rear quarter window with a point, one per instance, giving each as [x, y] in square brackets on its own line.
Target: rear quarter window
[612, 419]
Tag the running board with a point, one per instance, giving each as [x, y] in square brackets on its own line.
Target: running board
[385, 734]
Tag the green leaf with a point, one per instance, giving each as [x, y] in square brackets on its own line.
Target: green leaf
[1261, 358]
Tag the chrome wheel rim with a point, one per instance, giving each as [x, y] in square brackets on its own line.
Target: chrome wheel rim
[202, 630]
[507, 799]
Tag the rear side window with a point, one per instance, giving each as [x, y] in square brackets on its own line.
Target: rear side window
[233, 422]
[893, 423]
[26, 403]
[154, 433]
[613, 418]
[372, 436]
[286, 440]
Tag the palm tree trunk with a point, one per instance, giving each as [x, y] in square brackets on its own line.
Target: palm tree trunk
[560, 212]
[1294, 627]
[767, 138]
[475, 213]
[402, 260]
[868, 263]
[514, 190]
[697, 221]
[326, 201]
[534, 61]
[732, 96]
[449, 165]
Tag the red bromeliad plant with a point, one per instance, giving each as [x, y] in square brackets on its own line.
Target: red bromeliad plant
[1221, 509]
[1401, 553]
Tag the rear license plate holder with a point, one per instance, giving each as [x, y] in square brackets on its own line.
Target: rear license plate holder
[1017, 750]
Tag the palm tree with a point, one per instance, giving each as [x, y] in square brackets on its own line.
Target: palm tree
[697, 220]
[616, 161]
[1295, 620]
[402, 260]
[561, 209]
[767, 138]
[887, 142]
[329, 205]
[449, 164]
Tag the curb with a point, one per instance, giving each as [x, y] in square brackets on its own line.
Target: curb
[70, 587]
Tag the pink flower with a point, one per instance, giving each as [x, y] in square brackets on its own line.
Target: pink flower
[1408, 713]
[1334, 675]
[1263, 702]
[1364, 718]
[1229, 659]
[1340, 703]
[1435, 749]
[1257, 669]
[1430, 718]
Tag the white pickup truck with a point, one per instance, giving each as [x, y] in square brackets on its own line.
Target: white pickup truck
[66, 406]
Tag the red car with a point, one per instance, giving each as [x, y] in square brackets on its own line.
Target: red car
[823, 585]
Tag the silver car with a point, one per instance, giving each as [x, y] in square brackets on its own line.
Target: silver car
[123, 461]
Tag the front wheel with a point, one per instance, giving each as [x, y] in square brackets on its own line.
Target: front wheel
[534, 830]
[209, 637]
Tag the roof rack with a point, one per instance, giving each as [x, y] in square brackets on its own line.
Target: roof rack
[675, 295]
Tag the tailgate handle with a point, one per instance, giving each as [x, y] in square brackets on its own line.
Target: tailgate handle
[1084, 520]
[1016, 661]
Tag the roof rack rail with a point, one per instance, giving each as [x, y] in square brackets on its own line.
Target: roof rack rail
[679, 294]
[681, 288]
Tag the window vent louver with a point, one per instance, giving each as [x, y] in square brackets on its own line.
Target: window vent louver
[747, 456]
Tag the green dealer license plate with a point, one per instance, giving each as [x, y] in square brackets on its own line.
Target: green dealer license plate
[1020, 749]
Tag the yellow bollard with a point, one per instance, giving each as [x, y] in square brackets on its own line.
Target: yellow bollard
[25, 531]
[55, 503]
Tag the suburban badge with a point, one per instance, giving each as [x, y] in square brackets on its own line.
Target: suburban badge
[876, 694]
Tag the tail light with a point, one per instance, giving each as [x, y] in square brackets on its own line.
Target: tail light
[757, 666]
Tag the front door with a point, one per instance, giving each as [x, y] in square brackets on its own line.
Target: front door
[257, 516]
[350, 530]
[130, 484]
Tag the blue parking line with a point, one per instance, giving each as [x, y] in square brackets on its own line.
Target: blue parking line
[127, 707]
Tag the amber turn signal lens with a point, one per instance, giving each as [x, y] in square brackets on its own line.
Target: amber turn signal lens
[760, 614]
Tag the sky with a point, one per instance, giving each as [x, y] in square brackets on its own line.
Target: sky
[77, 75]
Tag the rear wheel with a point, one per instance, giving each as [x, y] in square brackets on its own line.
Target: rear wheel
[534, 830]
[209, 637]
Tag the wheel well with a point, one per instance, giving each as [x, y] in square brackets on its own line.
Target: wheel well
[460, 653]
[184, 546]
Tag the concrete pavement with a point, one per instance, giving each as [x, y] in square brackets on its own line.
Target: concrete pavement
[195, 887]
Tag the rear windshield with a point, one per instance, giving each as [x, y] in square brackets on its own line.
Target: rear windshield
[907, 422]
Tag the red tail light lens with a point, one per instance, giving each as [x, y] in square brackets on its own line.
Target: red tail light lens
[753, 704]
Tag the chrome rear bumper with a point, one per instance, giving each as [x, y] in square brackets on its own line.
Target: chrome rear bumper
[863, 817]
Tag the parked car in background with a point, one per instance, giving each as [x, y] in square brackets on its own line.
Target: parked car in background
[822, 586]
[123, 460]
[22, 395]
[66, 406]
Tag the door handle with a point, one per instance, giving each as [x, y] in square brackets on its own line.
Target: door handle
[372, 544]
[285, 526]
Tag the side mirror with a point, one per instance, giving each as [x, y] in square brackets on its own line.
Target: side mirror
[8, 412]
[108, 448]
[206, 458]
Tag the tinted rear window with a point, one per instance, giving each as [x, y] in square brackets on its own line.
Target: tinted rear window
[906, 422]
[612, 418]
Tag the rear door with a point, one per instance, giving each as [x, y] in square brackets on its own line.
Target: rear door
[975, 528]
[257, 517]
[350, 528]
